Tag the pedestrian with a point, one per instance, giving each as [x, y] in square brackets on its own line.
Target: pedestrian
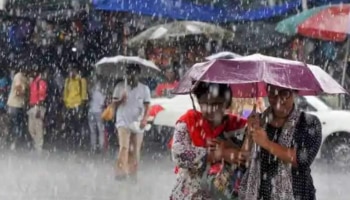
[5, 86]
[132, 100]
[17, 104]
[36, 113]
[164, 89]
[288, 141]
[75, 98]
[200, 146]
[97, 103]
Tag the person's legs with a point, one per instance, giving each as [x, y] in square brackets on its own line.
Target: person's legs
[100, 129]
[4, 123]
[14, 133]
[31, 125]
[135, 152]
[39, 131]
[37, 137]
[93, 131]
[121, 166]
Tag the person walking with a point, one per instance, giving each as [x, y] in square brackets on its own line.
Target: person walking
[16, 106]
[37, 111]
[95, 121]
[75, 97]
[132, 102]
[5, 86]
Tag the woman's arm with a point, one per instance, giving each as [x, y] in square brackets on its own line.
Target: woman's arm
[185, 154]
[287, 155]
[308, 142]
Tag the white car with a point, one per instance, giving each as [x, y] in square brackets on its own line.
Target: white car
[335, 124]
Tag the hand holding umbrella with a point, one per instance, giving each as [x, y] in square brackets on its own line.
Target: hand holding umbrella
[253, 125]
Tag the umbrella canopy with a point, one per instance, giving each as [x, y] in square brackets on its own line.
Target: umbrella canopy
[181, 29]
[223, 55]
[249, 76]
[117, 65]
[326, 23]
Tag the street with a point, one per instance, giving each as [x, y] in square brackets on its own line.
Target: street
[58, 176]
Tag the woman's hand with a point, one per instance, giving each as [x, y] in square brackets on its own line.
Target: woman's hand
[215, 150]
[259, 136]
[253, 120]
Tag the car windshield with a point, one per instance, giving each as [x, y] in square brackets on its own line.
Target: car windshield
[332, 101]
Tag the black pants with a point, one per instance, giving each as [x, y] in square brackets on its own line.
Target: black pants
[73, 127]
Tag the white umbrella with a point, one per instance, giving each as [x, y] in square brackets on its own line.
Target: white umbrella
[223, 55]
[117, 66]
[181, 29]
[327, 83]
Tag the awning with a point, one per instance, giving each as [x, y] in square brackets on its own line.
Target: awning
[186, 10]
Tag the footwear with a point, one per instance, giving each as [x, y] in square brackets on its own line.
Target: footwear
[120, 177]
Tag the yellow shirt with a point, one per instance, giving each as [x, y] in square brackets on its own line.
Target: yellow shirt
[75, 92]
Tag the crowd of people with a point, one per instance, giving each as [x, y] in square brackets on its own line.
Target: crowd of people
[201, 145]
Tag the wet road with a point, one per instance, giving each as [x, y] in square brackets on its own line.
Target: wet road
[58, 176]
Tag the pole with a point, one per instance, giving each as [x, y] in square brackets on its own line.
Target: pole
[304, 5]
[345, 64]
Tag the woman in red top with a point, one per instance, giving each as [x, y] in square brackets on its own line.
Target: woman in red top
[164, 89]
[196, 142]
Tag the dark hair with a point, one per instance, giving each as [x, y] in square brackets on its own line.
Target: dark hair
[224, 90]
[133, 68]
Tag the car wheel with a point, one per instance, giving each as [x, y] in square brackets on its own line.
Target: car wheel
[339, 151]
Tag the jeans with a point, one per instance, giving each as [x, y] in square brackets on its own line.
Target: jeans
[96, 130]
[17, 123]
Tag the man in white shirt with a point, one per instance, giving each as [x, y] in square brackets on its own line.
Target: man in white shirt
[132, 102]
[17, 104]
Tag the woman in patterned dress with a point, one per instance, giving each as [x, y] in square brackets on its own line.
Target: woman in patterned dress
[195, 143]
[288, 141]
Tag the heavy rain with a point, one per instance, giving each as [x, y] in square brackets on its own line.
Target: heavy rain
[174, 99]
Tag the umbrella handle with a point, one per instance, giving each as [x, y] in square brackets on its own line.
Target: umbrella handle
[255, 152]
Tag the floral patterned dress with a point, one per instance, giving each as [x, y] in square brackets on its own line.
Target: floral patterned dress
[190, 155]
[191, 161]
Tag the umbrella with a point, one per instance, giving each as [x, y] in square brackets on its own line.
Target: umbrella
[116, 66]
[249, 75]
[325, 23]
[223, 55]
[181, 29]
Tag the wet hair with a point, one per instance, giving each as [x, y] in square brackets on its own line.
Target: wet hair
[223, 91]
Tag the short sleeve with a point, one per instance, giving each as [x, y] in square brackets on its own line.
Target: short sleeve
[17, 80]
[308, 141]
[147, 95]
[117, 92]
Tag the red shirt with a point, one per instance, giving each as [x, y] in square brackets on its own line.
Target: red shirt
[38, 91]
[163, 87]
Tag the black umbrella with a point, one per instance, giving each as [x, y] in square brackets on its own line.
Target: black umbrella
[258, 35]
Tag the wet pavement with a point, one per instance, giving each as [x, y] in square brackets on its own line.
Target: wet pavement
[58, 176]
